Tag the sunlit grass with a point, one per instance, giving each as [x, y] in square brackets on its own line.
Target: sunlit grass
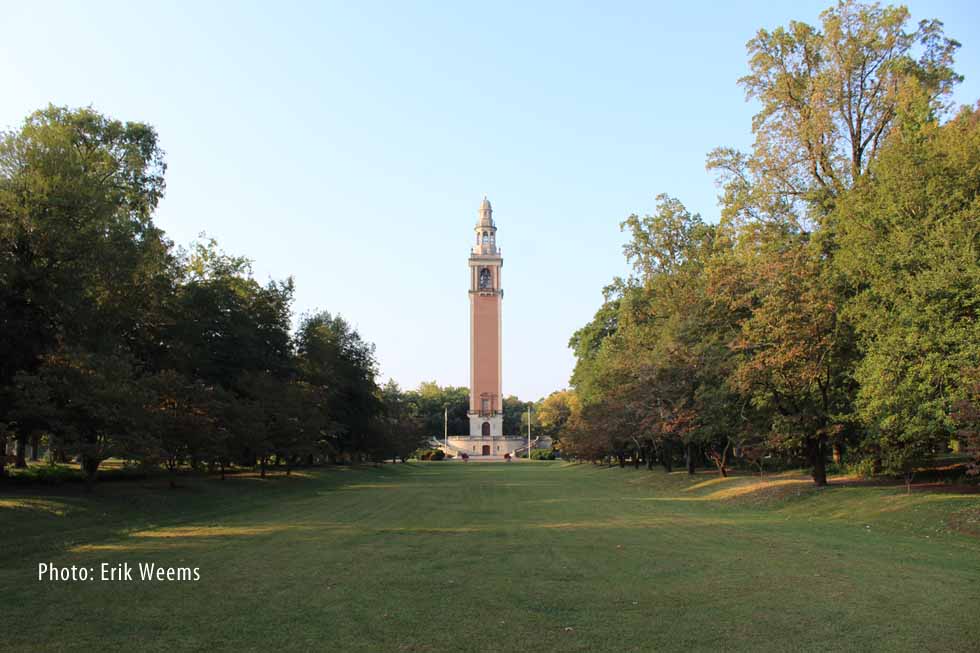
[39, 505]
[134, 547]
[211, 531]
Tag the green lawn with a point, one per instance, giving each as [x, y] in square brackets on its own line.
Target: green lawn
[496, 557]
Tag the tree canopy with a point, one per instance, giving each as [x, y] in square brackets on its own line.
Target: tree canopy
[834, 305]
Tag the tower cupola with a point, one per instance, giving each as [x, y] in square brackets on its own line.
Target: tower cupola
[486, 231]
[486, 213]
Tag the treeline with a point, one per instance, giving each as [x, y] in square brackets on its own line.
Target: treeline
[117, 344]
[442, 407]
[834, 308]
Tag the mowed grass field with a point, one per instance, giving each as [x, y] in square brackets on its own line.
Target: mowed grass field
[496, 557]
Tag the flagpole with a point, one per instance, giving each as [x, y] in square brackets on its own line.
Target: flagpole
[529, 431]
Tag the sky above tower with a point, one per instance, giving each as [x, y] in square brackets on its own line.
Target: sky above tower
[350, 144]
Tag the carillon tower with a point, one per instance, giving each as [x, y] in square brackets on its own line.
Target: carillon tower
[486, 296]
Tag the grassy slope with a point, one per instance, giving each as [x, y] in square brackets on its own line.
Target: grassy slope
[543, 556]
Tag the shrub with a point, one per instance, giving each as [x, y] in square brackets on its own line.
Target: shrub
[543, 454]
[864, 468]
[58, 474]
[430, 454]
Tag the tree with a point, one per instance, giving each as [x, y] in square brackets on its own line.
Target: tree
[554, 413]
[92, 404]
[182, 417]
[657, 349]
[223, 322]
[830, 97]
[433, 403]
[333, 356]
[116, 344]
[910, 247]
[81, 263]
[514, 415]
[793, 348]
[403, 429]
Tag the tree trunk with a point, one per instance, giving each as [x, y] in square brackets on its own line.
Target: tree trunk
[667, 458]
[838, 452]
[35, 445]
[722, 460]
[689, 457]
[91, 467]
[818, 458]
[21, 462]
[262, 466]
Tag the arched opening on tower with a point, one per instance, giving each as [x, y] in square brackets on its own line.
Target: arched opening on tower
[486, 429]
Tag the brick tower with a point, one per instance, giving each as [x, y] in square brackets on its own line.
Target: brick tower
[486, 296]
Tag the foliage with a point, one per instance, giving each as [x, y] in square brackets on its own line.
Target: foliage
[403, 430]
[432, 403]
[543, 454]
[830, 96]
[430, 454]
[556, 413]
[92, 403]
[116, 344]
[834, 305]
[515, 415]
[910, 246]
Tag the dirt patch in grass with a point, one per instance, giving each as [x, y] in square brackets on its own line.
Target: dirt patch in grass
[966, 522]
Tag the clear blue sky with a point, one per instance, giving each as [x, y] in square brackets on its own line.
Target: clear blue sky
[350, 144]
